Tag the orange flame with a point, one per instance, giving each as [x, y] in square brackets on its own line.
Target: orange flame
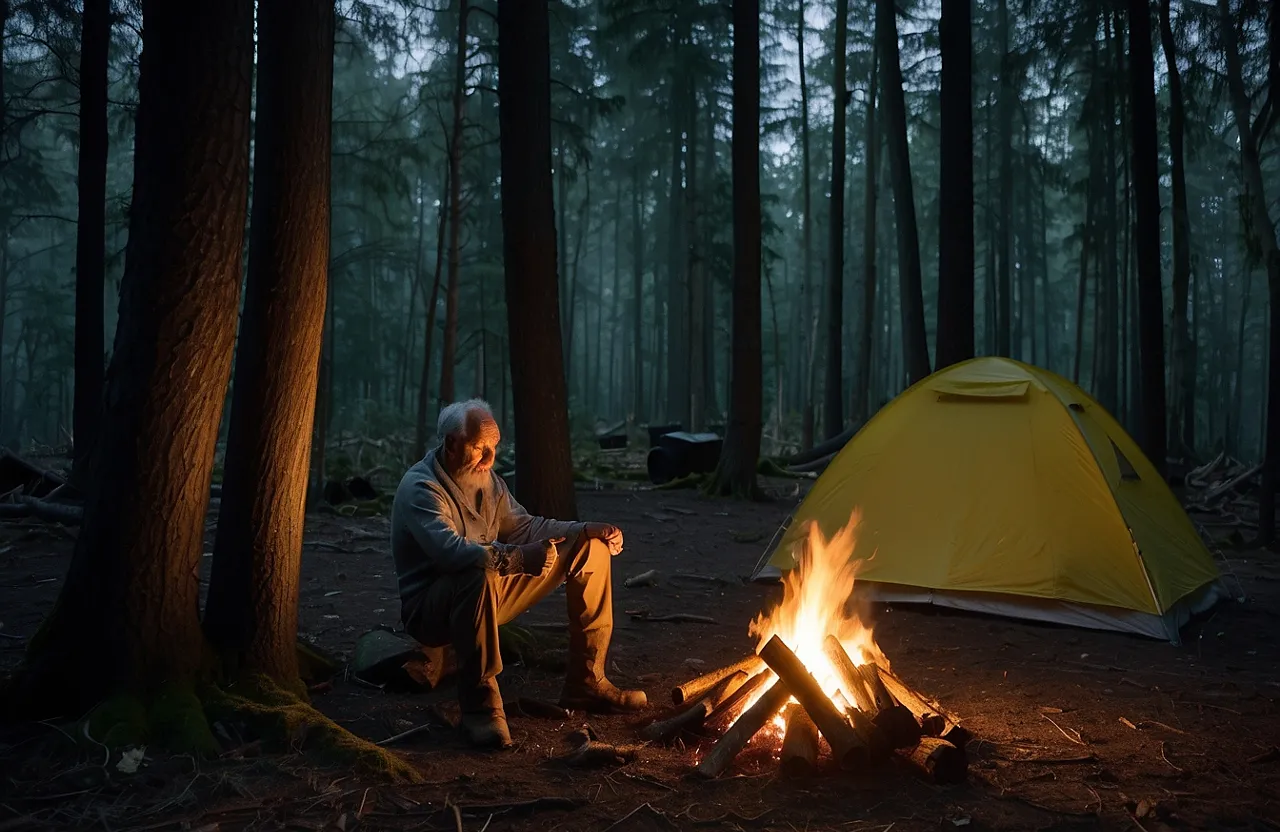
[816, 596]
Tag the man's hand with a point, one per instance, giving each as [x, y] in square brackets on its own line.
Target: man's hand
[539, 557]
[610, 534]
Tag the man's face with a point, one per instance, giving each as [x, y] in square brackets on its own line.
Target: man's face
[471, 452]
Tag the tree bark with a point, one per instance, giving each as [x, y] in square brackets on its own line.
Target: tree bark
[422, 432]
[132, 583]
[863, 407]
[736, 472]
[1262, 229]
[544, 468]
[1180, 374]
[697, 295]
[833, 390]
[448, 355]
[1146, 188]
[915, 346]
[637, 295]
[91, 267]
[1004, 290]
[805, 364]
[251, 615]
[955, 239]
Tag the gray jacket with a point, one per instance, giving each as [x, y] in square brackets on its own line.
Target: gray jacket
[436, 529]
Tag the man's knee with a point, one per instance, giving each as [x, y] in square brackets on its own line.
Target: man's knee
[592, 556]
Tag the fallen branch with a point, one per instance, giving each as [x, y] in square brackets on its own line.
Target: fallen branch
[816, 465]
[593, 753]
[671, 618]
[822, 449]
[649, 578]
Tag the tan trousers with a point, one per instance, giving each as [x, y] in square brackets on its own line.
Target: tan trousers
[465, 608]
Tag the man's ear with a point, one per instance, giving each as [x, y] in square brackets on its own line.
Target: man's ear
[450, 443]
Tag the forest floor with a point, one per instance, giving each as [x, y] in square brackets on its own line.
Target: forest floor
[1073, 729]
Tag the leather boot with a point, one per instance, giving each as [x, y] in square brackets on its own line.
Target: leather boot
[487, 729]
[601, 697]
[585, 686]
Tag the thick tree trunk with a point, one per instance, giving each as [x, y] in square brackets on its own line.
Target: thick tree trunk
[697, 295]
[1179, 372]
[251, 615]
[736, 472]
[448, 355]
[864, 402]
[1146, 188]
[544, 467]
[91, 264]
[415, 289]
[128, 612]
[1262, 229]
[915, 346]
[955, 239]
[677, 358]
[833, 391]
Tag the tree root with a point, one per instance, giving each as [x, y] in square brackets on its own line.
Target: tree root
[285, 721]
[174, 719]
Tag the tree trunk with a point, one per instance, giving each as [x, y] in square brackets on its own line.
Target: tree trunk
[833, 391]
[736, 472]
[1004, 300]
[637, 295]
[1179, 372]
[915, 346]
[1082, 293]
[251, 613]
[697, 296]
[955, 240]
[864, 403]
[1262, 230]
[127, 616]
[421, 433]
[1146, 189]
[807, 287]
[614, 396]
[91, 267]
[448, 355]
[544, 467]
[415, 289]
[677, 357]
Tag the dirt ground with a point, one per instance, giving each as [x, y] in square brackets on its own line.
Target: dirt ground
[1073, 729]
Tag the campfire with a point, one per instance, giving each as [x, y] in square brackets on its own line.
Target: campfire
[818, 686]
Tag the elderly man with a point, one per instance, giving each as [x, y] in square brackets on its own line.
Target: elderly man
[469, 557]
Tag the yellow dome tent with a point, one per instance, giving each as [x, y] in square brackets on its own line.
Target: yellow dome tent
[1000, 487]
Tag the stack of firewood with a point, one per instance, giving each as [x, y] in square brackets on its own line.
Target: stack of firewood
[1218, 492]
[874, 717]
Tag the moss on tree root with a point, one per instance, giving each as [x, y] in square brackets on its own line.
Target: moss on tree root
[285, 721]
[177, 719]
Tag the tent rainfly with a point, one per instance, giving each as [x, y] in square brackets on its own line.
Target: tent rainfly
[1000, 487]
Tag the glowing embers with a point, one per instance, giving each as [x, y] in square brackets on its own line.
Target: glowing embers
[819, 689]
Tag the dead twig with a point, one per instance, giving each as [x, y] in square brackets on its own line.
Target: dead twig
[1076, 739]
[1166, 759]
[404, 735]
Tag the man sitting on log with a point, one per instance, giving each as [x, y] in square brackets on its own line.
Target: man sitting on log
[469, 557]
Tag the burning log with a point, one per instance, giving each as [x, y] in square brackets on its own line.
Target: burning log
[741, 732]
[692, 717]
[871, 677]
[799, 743]
[719, 720]
[937, 761]
[899, 726]
[851, 681]
[917, 703]
[695, 688]
[846, 746]
[878, 746]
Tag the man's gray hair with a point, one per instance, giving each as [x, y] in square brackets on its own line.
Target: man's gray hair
[453, 417]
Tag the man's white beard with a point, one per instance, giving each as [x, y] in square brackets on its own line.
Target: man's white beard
[472, 479]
